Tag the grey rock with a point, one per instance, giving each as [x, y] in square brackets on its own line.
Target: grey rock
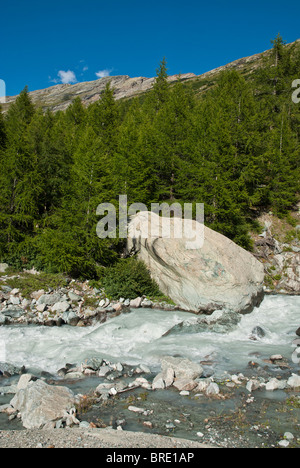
[146, 303]
[74, 297]
[185, 384]
[40, 403]
[136, 303]
[3, 319]
[24, 381]
[213, 389]
[3, 267]
[70, 318]
[135, 409]
[49, 299]
[9, 390]
[294, 381]
[14, 312]
[93, 363]
[217, 274]
[84, 425]
[60, 97]
[61, 307]
[257, 333]
[158, 383]
[182, 367]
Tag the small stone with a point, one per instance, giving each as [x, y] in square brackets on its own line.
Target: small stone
[213, 389]
[84, 425]
[148, 424]
[136, 303]
[288, 436]
[294, 381]
[135, 409]
[3, 267]
[276, 357]
[185, 384]
[158, 383]
[24, 381]
[74, 297]
[284, 443]
[184, 393]
[104, 370]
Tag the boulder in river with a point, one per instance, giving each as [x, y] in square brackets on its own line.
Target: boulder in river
[199, 278]
[40, 403]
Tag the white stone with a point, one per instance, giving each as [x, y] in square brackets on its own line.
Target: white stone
[61, 307]
[40, 403]
[213, 389]
[158, 382]
[272, 385]
[24, 381]
[136, 303]
[135, 409]
[183, 368]
[294, 381]
[284, 443]
[218, 274]
[288, 436]
[3, 267]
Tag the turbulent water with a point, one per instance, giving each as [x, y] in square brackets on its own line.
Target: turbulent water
[144, 335]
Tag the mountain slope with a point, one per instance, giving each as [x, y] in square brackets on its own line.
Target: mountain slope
[59, 97]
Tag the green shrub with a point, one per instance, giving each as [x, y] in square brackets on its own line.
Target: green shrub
[129, 278]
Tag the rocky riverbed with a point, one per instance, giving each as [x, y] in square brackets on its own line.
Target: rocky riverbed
[75, 303]
[259, 408]
[249, 405]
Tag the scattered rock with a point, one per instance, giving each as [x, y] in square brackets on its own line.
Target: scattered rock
[3, 267]
[183, 368]
[13, 312]
[158, 382]
[185, 384]
[284, 443]
[40, 403]
[213, 389]
[135, 409]
[294, 381]
[136, 303]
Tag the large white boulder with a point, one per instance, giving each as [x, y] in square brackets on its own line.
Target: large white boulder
[199, 278]
[40, 403]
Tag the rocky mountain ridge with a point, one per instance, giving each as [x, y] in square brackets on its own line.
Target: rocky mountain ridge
[59, 97]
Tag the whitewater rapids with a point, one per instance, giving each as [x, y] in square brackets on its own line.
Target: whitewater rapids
[144, 335]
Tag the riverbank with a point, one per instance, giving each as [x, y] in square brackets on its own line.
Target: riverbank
[92, 438]
[34, 298]
[257, 409]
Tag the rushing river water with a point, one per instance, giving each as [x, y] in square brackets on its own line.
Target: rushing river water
[144, 335]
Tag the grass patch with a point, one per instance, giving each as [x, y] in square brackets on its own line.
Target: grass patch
[28, 283]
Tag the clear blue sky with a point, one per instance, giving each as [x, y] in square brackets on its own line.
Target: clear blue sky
[48, 42]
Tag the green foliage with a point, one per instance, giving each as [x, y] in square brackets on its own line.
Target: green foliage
[130, 279]
[27, 283]
[234, 147]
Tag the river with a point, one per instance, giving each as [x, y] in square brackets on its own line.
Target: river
[144, 335]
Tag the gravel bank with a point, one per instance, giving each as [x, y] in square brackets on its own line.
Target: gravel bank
[90, 438]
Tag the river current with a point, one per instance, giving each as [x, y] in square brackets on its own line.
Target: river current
[144, 335]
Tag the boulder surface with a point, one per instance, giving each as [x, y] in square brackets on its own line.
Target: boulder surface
[217, 274]
[40, 403]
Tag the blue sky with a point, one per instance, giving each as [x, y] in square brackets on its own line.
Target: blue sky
[48, 42]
